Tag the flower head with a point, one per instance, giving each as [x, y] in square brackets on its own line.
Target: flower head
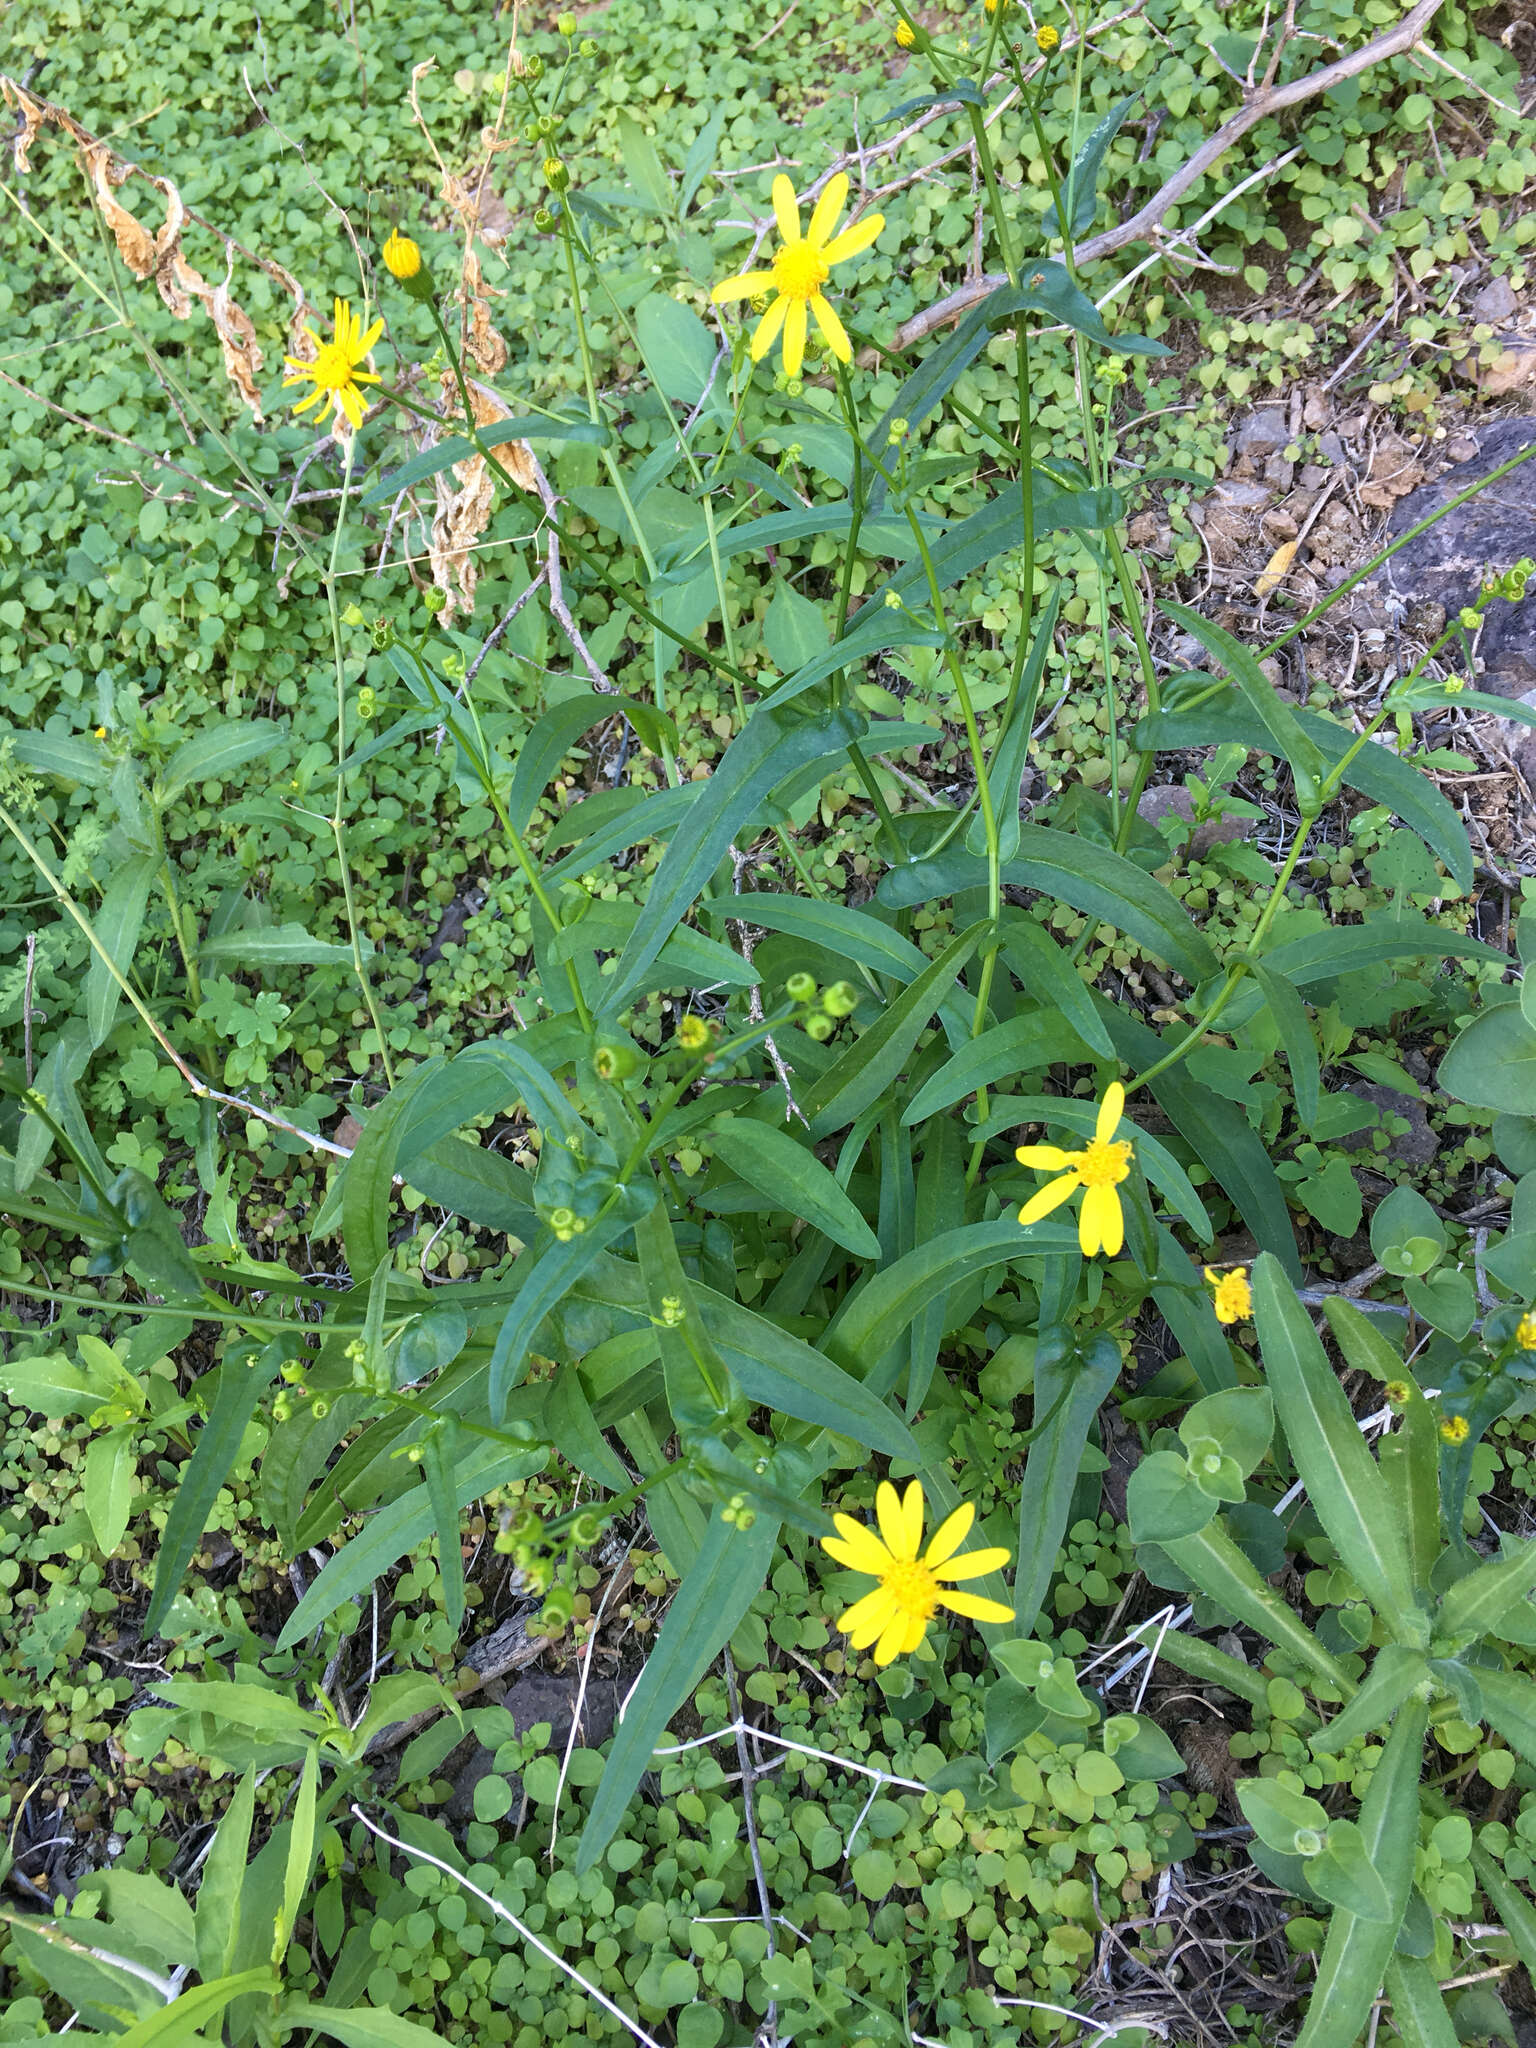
[693, 1034]
[1047, 39]
[906, 36]
[402, 258]
[1455, 1429]
[1234, 1297]
[895, 1616]
[1098, 1170]
[1398, 1392]
[800, 269]
[1525, 1333]
[336, 371]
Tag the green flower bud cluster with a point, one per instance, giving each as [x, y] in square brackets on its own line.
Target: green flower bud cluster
[838, 1000]
[736, 1514]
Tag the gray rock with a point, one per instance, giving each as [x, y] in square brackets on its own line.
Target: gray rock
[1166, 799]
[1264, 430]
[1416, 1146]
[534, 1697]
[1496, 300]
[1446, 565]
[1332, 449]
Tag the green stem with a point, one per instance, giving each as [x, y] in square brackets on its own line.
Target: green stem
[337, 819]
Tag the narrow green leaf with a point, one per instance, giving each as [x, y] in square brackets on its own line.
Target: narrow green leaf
[1242, 665]
[1081, 197]
[716, 1592]
[222, 1882]
[244, 1376]
[1344, 949]
[547, 742]
[358, 2026]
[553, 1270]
[1391, 1679]
[865, 1073]
[572, 1428]
[1028, 1043]
[1069, 869]
[1509, 1708]
[1338, 1471]
[1044, 972]
[790, 1176]
[1418, 2007]
[940, 1202]
[117, 927]
[1357, 1952]
[437, 1472]
[1376, 772]
[1010, 751]
[396, 1530]
[212, 755]
[1074, 1388]
[1478, 1603]
[300, 1857]
[283, 945]
[1294, 1026]
[644, 165]
[50, 753]
[870, 1322]
[772, 745]
[1226, 1574]
[455, 448]
[111, 1469]
[1202, 1660]
[187, 2015]
[1511, 1905]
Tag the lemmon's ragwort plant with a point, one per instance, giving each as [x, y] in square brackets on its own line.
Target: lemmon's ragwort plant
[753, 1212]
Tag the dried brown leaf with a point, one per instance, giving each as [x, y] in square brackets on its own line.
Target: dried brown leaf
[1275, 570]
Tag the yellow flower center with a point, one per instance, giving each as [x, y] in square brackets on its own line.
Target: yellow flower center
[914, 1589]
[333, 368]
[1104, 1166]
[799, 271]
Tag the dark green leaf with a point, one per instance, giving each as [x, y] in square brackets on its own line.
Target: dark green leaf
[788, 1175]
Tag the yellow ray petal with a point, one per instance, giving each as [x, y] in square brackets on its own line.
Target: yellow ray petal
[974, 1565]
[950, 1534]
[857, 1547]
[917, 1628]
[1100, 1225]
[832, 329]
[912, 1516]
[828, 207]
[893, 1522]
[1111, 1109]
[368, 339]
[316, 397]
[1050, 1197]
[747, 286]
[785, 211]
[867, 1618]
[794, 338]
[1050, 1157]
[893, 1640]
[853, 239]
[767, 332]
[975, 1608]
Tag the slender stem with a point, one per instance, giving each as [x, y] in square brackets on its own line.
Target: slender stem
[337, 819]
[185, 945]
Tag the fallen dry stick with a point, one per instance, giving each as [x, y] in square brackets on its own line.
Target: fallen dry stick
[1144, 224]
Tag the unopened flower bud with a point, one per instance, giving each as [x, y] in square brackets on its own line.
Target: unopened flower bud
[801, 988]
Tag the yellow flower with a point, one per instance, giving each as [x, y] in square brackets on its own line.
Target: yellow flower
[1234, 1297]
[693, 1034]
[402, 258]
[1525, 1335]
[1098, 1170]
[895, 1616]
[100, 731]
[336, 373]
[1398, 1392]
[800, 269]
[904, 35]
[1455, 1429]
[992, 6]
[1047, 39]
